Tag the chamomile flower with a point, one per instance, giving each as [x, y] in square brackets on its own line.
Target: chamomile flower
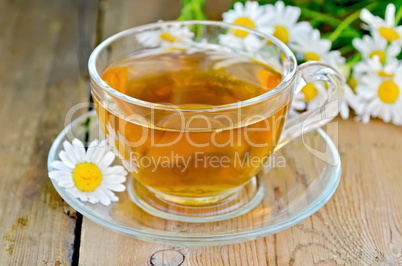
[88, 174]
[370, 47]
[314, 94]
[375, 67]
[117, 143]
[311, 47]
[382, 97]
[250, 15]
[311, 96]
[167, 36]
[384, 28]
[282, 23]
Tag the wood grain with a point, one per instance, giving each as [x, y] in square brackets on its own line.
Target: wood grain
[39, 82]
[121, 14]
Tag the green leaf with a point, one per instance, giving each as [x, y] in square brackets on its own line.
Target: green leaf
[345, 23]
[398, 16]
[317, 16]
[192, 9]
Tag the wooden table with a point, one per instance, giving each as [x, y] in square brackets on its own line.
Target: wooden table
[44, 47]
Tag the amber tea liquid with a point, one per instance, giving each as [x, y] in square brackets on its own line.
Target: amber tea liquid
[190, 156]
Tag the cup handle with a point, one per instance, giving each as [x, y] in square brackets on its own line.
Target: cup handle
[313, 119]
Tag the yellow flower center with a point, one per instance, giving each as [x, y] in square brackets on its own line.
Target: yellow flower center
[166, 36]
[388, 92]
[380, 54]
[282, 34]
[310, 56]
[243, 21]
[352, 82]
[389, 34]
[87, 177]
[383, 74]
[309, 91]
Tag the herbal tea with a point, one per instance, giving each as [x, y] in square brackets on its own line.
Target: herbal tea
[191, 156]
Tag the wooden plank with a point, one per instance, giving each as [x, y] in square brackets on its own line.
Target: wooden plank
[39, 82]
[360, 225]
[122, 14]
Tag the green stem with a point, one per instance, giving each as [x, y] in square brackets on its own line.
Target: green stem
[354, 59]
[192, 9]
[344, 24]
[398, 16]
[385, 54]
[319, 16]
[345, 49]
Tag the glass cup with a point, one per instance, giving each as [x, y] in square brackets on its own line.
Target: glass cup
[199, 163]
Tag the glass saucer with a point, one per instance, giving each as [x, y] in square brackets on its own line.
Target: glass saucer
[306, 175]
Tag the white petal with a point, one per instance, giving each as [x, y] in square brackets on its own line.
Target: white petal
[70, 150]
[55, 174]
[280, 6]
[369, 18]
[231, 41]
[344, 111]
[298, 104]
[79, 149]
[359, 44]
[252, 42]
[393, 50]
[73, 191]
[110, 194]
[325, 45]
[115, 178]
[82, 196]
[397, 116]
[67, 160]
[77, 193]
[293, 14]
[366, 118]
[61, 166]
[115, 170]
[102, 197]
[386, 115]
[66, 183]
[92, 199]
[372, 108]
[390, 15]
[106, 160]
[98, 154]
[91, 148]
[238, 7]
[299, 30]
[114, 186]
